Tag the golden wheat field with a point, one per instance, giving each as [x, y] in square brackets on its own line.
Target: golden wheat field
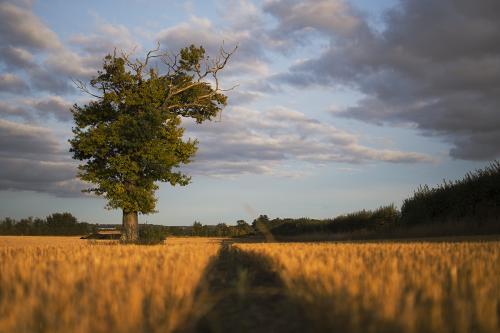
[64, 284]
[399, 287]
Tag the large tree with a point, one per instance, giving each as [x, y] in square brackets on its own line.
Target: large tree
[130, 136]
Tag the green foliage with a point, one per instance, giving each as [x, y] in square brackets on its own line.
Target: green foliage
[261, 224]
[198, 229]
[242, 228]
[222, 230]
[130, 138]
[151, 234]
[364, 220]
[476, 196]
[55, 224]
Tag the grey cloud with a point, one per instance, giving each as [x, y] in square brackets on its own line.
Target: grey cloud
[230, 168]
[477, 146]
[22, 140]
[43, 79]
[23, 35]
[31, 46]
[92, 49]
[32, 159]
[240, 14]
[249, 59]
[20, 3]
[247, 141]
[12, 110]
[54, 105]
[436, 65]
[13, 84]
[68, 64]
[105, 39]
[41, 108]
[15, 57]
[296, 17]
[17, 170]
[20, 27]
[56, 178]
[241, 95]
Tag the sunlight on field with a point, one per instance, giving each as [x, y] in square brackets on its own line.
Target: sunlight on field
[64, 284]
[406, 287]
[17, 241]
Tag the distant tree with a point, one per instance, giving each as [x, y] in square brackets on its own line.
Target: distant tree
[130, 138]
[61, 219]
[242, 228]
[24, 226]
[7, 226]
[197, 229]
[54, 224]
[222, 230]
[61, 223]
[261, 223]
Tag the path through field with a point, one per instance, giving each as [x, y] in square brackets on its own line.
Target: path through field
[243, 293]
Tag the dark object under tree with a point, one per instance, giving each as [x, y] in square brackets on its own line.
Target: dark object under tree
[130, 137]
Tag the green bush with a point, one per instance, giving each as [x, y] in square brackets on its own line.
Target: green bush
[151, 234]
[365, 220]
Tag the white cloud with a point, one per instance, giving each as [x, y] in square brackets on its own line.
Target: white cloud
[247, 141]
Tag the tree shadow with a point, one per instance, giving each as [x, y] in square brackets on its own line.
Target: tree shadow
[241, 292]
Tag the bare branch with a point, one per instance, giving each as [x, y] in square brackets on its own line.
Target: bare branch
[171, 61]
[232, 88]
[83, 87]
[210, 67]
[151, 54]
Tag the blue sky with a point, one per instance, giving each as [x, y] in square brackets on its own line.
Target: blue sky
[341, 105]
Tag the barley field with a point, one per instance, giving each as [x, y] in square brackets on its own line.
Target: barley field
[64, 284]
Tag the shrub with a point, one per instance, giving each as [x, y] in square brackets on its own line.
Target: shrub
[365, 220]
[151, 234]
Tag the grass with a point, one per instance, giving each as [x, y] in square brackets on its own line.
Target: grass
[64, 284]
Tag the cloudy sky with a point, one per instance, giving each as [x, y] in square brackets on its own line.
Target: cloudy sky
[341, 104]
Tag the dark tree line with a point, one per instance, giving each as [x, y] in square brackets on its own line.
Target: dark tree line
[474, 197]
[365, 220]
[55, 224]
[241, 228]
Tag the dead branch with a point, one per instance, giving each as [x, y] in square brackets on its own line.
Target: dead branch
[211, 68]
[83, 87]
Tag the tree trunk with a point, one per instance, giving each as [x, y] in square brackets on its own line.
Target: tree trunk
[130, 224]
